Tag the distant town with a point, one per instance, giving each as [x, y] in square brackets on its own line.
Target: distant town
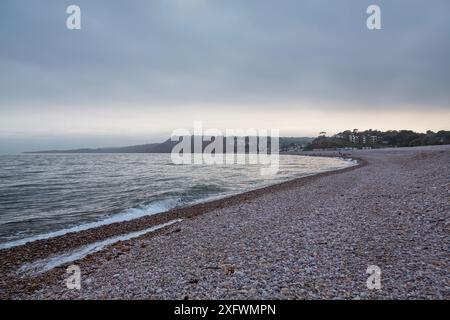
[370, 139]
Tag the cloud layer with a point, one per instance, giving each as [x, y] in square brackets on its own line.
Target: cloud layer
[169, 57]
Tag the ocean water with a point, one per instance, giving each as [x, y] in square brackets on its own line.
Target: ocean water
[46, 195]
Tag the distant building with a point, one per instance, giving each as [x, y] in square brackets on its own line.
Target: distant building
[353, 138]
[362, 139]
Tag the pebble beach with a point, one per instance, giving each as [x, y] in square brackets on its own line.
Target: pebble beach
[309, 238]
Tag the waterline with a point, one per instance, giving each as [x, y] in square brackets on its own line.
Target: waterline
[48, 264]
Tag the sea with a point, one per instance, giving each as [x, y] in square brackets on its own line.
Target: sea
[49, 195]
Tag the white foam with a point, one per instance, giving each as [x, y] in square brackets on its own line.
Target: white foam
[127, 215]
[44, 265]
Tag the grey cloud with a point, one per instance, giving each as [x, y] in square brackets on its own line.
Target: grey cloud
[209, 51]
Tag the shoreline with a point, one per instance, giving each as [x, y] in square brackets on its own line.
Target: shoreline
[48, 237]
[306, 238]
[13, 258]
[100, 232]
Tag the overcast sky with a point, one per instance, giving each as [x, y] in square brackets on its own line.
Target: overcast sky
[139, 69]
